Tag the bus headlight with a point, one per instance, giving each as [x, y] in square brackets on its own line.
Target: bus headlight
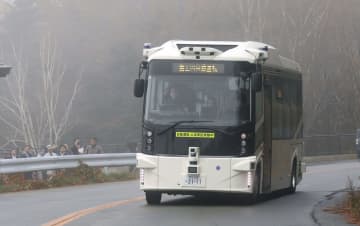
[149, 133]
[149, 141]
[243, 150]
[243, 143]
[243, 136]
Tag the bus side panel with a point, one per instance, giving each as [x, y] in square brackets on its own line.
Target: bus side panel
[282, 152]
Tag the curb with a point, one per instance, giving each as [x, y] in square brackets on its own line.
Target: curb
[322, 218]
[329, 158]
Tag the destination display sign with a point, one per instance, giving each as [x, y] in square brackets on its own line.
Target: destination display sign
[200, 68]
[195, 135]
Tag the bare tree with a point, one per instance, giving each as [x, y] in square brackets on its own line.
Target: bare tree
[251, 16]
[40, 115]
[303, 26]
[348, 81]
[302, 32]
[16, 114]
[296, 30]
[55, 119]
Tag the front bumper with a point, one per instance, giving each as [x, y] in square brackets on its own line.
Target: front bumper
[169, 174]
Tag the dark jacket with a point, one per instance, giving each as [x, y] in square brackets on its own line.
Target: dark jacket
[97, 149]
[74, 150]
[26, 155]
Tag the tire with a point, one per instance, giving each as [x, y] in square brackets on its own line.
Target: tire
[292, 187]
[152, 197]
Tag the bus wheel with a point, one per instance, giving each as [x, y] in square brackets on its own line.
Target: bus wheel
[153, 198]
[292, 187]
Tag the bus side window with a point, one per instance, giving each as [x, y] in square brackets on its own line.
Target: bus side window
[286, 108]
[280, 110]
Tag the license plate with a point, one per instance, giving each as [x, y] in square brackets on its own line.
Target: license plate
[194, 180]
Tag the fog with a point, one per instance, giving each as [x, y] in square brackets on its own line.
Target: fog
[101, 43]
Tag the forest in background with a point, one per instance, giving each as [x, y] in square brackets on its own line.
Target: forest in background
[102, 41]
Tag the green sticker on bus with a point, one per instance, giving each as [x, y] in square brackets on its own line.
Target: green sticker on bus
[195, 135]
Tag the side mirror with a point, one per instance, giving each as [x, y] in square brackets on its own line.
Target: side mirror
[257, 82]
[139, 87]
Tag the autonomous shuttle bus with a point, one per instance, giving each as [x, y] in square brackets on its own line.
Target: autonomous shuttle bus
[220, 117]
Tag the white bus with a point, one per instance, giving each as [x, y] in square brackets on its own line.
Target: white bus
[219, 117]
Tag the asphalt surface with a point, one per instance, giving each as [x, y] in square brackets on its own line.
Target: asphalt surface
[39, 207]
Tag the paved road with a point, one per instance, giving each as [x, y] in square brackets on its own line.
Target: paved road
[38, 207]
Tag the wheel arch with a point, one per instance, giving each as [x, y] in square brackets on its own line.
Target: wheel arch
[260, 163]
[294, 162]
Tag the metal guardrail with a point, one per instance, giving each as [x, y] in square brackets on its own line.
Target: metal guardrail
[329, 144]
[65, 162]
[69, 161]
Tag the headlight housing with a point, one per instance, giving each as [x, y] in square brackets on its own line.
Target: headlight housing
[148, 140]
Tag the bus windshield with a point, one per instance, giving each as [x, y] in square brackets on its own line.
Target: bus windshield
[221, 98]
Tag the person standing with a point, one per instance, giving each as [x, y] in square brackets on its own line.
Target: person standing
[13, 154]
[27, 152]
[63, 150]
[93, 147]
[75, 148]
[51, 153]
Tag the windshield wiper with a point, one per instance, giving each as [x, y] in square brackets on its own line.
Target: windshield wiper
[180, 122]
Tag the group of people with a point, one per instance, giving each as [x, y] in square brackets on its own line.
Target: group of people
[54, 150]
